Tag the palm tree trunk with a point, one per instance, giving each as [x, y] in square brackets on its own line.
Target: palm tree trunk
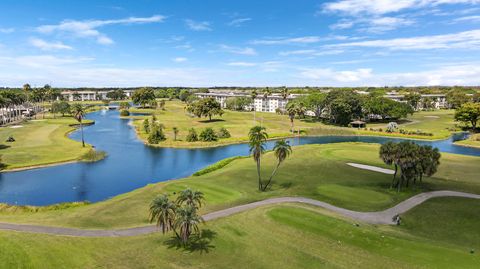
[81, 129]
[259, 177]
[394, 176]
[271, 176]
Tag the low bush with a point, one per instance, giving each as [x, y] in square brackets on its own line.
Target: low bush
[192, 135]
[93, 155]
[217, 165]
[208, 135]
[124, 113]
[223, 133]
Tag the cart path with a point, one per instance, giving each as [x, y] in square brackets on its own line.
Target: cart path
[379, 217]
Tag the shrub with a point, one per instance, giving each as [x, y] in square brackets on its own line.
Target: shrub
[146, 126]
[223, 133]
[156, 134]
[124, 113]
[93, 155]
[217, 165]
[391, 127]
[208, 135]
[192, 135]
[10, 139]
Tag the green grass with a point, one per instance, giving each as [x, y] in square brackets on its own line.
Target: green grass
[451, 220]
[472, 141]
[315, 171]
[286, 236]
[40, 142]
[436, 122]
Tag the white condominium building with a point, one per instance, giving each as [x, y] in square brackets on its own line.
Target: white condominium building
[261, 103]
[89, 95]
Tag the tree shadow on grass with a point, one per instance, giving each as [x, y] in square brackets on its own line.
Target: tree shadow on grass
[208, 121]
[2, 146]
[197, 243]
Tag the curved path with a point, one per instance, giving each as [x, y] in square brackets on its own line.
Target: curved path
[379, 217]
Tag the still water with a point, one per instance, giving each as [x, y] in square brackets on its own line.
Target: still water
[131, 165]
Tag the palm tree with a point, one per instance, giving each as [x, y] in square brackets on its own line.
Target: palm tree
[187, 221]
[292, 112]
[266, 92]
[285, 93]
[254, 95]
[175, 133]
[388, 153]
[190, 198]
[257, 136]
[78, 112]
[162, 211]
[282, 150]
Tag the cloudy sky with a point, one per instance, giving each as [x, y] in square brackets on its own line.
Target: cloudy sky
[240, 43]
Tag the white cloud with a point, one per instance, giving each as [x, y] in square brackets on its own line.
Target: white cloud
[446, 75]
[238, 22]
[179, 59]
[88, 29]
[198, 26]
[461, 40]
[382, 24]
[474, 18]
[310, 52]
[44, 45]
[294, 40]
[380, 7]
[242, 64]
[41, 61]
[7, 30]
[238, 50]
[337, 76]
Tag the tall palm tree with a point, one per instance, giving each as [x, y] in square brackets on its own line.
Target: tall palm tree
[282, 150]
[175, 133]
[191, 198]
[254, 95]
[388, 153]
[162, 211]
[257, 136]
[285, 93]
[187, 221]
[78, 112]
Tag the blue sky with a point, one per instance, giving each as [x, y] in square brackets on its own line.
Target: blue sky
[240, 43]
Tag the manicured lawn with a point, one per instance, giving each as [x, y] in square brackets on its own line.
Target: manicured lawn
[452, 220]
[40, 142]
[472, 141]
[316, 171]
[437, 122]
[238, 124]
[286, 236]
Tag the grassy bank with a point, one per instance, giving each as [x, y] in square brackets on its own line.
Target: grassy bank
[316, 171]
[439, 123]
[40, 142]
[472, 141]
[309, 238]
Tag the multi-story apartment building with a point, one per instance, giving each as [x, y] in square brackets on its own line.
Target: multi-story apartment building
[261, 103]
[71, 95]
[275, 101]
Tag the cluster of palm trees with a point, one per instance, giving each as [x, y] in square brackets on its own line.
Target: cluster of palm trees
[414, 161]
[257, 140]
[13, 102]
[180, 216]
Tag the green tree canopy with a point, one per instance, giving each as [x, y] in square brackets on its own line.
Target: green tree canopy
[206, 107]
[468, 113]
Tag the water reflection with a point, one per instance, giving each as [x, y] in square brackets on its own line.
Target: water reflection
[131, 165]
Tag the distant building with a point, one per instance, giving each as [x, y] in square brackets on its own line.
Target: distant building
[71, 95]
[275, 101]
[270, 103]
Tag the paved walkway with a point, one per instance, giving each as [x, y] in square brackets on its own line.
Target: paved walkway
[380, 217]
